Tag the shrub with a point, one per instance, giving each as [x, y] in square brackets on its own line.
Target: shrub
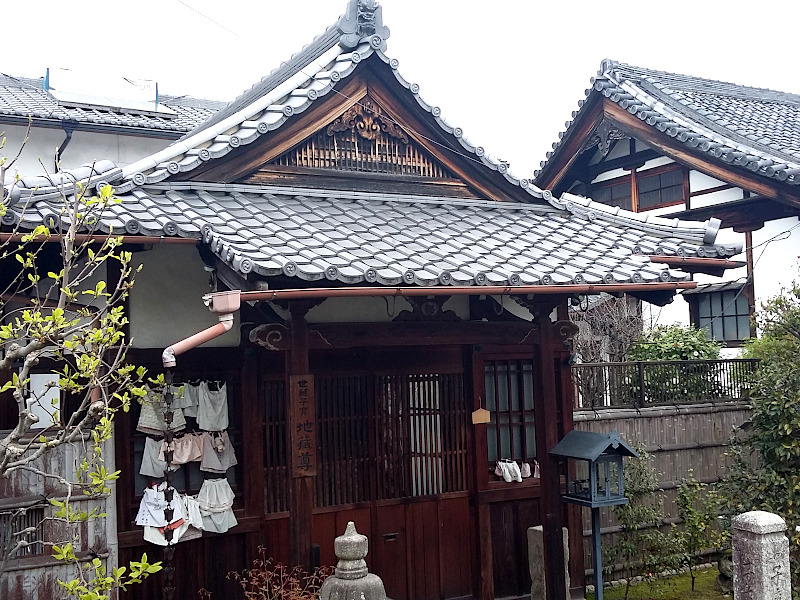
[698, 507]
[765, 469]
[640, 547]
[675, 382]
[268, 580]
[673, 342]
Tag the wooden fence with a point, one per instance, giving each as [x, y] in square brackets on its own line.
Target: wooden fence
[678, 429]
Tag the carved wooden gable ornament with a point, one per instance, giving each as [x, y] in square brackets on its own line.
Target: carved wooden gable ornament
[366, 139]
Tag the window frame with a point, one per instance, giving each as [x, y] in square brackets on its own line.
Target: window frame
[698, 321]
[519, 417]
[633, 179]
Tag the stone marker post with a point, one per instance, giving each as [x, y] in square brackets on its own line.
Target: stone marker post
[536, 562]
[760, 557]
[351, 580]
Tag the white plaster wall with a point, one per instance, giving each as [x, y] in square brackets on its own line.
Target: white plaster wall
[372, 310]
[700, 181]
[650, 164]
[166, 301]
[612, 174]
[85, 147]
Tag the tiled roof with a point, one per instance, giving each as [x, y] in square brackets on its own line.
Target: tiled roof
[350, 236]
[724, 286]
[753, 128]
[23, 97]
[309, 75]
[355, 237]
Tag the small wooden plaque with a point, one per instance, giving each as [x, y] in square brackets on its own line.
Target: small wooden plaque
[481, 416]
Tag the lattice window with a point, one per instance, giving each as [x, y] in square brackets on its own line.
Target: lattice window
[660, 189]
[364, 139]
[390, 436]
[655, 188]
[345, 471]
[22, 525]
[276, 469]
[724, 315]
[509, 398]
[421, 426]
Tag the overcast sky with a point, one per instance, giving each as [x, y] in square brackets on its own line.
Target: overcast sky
[509, 72]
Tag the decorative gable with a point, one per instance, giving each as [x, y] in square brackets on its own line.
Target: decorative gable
[364, 139]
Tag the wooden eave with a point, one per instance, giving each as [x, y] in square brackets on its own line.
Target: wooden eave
[568, 152]
[392, 97]
[748, 214]
[697, 159]
[599, 108]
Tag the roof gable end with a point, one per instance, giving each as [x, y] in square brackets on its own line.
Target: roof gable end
[712, 125]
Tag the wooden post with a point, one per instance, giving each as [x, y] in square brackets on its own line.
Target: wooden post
[546, 391]
[480, 478]
[566, 389]
[749, 290]
[301, 484]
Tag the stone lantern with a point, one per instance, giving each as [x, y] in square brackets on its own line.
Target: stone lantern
[595, 461]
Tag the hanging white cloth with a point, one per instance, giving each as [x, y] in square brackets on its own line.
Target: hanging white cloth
[212, 410]
[216, 505]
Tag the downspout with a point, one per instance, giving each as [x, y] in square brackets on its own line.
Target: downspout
[225, 304]
[69, 126]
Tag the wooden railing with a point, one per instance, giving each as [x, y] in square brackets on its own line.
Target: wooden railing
[651, 383]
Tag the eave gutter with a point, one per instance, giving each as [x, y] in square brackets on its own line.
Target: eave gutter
[470, 290]
[167, 134]
[687, 262]
[225, 304]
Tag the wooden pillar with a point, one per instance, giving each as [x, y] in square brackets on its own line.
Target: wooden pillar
[301, 484]
[566, 390]
[547, 436]
[749, 290]
[480, 477]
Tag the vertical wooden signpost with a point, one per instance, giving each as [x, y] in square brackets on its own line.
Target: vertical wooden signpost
[304, 431]
[302, 439]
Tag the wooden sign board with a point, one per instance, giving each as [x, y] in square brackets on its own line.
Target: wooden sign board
[303, 423]
[481, 416]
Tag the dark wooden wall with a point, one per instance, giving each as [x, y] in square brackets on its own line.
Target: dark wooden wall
[447, 529]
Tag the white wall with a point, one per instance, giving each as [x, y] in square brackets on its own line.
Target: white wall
[85, 147]
[166, 303]
[372, 310]
[700, 181]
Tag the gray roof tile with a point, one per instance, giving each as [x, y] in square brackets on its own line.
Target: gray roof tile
[289, 246]
[751, 128]
[24, 97]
